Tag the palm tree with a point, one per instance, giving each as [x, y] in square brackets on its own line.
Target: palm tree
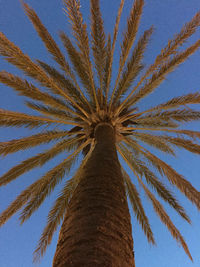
[100, 124]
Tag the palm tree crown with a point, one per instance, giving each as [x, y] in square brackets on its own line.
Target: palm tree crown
[80, 96]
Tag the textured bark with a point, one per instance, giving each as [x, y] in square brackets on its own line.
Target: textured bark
[96, 230]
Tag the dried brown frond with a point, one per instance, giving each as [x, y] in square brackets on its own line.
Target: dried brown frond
[133, 67]
[30, 141]
[129, 38]
[40, 159]
[57, 211]
[110, 59]
[166, 220]
[80, 33]
[137, 207]
[98, 39]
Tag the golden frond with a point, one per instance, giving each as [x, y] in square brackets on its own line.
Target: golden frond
[80, 33]
[46, 38]
[25, 88]
[57, 113]
[47, 184]
[17, 204]
[154, 141]
[183, 143]
[173, 177]
[30, 141]
[78, 63]
[180, 115]
[66, 84]
[193, 98]
[133, 67]
[166, 220]
[98, 39]
[110, 58]
[137, 207]
[16, 119]
[15, 56]
[129, 38]
[57, 211]
[107, 69]
[40, 159]
[161, 189]
[131, 30]
[159, 76]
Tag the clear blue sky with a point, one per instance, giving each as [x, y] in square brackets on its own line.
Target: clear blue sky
[18, 242]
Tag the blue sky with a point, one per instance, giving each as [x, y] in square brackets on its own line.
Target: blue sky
[18, 242]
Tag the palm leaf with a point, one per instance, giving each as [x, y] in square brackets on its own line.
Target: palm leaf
[166, 220]
[110, 58]
[129, 38]
[30, 141]
[133, 67]
[39, 160]
[80, 33]
[58, 210]
[47, 38]
[137, 207]
[98, 39]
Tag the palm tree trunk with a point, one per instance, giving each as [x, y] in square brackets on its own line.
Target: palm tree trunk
[96, 230]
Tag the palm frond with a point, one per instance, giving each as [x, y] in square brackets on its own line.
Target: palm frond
[154, 141]
[80, 33]
[98, 39]
[67, 85]
[78, 63]
[173, 177]
[30, 141]
[49, 42]
[39, 160]
[133, 67]
[47, 185]
[193, 98]
[15, 56]
[139, 167]
[110, 59]
[129, 38]
[16, 119]
[166, 220]
[137, 207]
[57, 113]
[25, 88]
[159, 76]
[183, 143]
[17, 204]
[180, 115]
[58, 210]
